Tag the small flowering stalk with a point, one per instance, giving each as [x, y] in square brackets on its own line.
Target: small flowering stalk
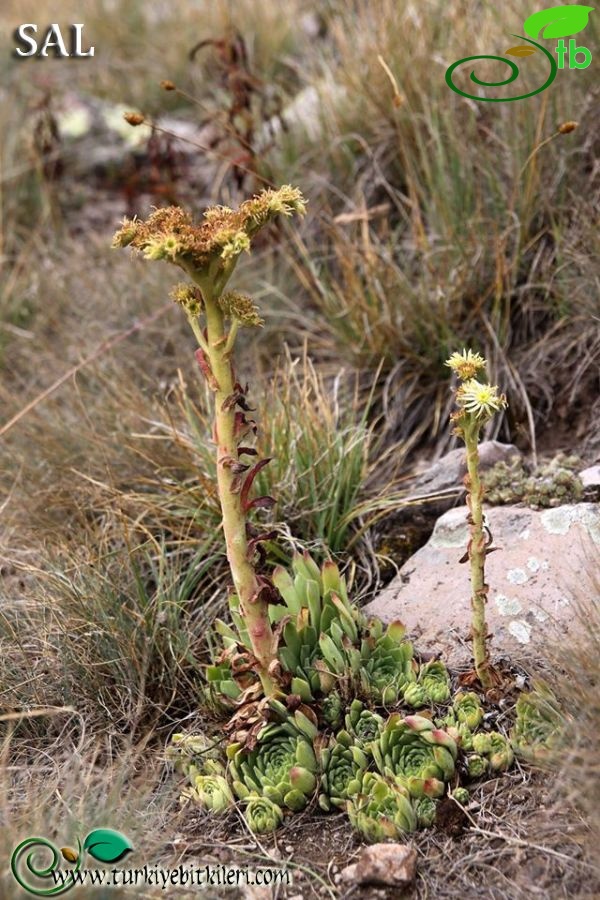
[477, 402]
[208, 253]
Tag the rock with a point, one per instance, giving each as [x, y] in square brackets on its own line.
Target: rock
[393, 865]
[305, 114]
[449, 471]
[590, 478]
[535, 579]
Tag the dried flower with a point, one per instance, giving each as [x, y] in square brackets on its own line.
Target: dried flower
[466, 364]
[189, 297]
[239, 306]
[134, 118]
[567, 127]
[221, 237]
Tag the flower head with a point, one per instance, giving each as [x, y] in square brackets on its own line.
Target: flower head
[466, 364]
[239, 306]
[480, 400]
[217, 240]
[189, 297]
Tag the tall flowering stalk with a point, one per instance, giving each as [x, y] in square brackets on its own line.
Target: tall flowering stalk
[476, 403]
[208, 252]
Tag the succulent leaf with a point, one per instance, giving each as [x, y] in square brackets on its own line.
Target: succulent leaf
[281, 766]
[262, 814]
[539, 726]
[434, 678]
[416, 754]
[468, 709]
[381, 810]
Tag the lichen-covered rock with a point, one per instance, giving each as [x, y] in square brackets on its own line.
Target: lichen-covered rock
[536, 578]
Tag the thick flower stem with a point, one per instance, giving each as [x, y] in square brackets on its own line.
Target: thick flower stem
[252, 607]
[477, 551]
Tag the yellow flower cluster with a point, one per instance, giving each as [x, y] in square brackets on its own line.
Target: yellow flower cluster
[223, 234]
[189, 297]
[466, 364]
[239, 306]
[481, 400]
[473, 397]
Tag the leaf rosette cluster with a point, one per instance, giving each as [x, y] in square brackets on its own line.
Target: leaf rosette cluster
[418, 755]
[282, 767]
[382, 810]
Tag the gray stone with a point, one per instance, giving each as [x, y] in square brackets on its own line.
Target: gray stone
[537, 577]
[590, 477]
[449, 471]
[393, 865]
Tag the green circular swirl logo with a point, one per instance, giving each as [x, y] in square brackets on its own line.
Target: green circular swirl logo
[104, 844]
[555, 22]
[512, 77]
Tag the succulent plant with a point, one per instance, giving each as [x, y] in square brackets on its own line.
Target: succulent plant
[222, 690]
[319, 643]
[332, 709]
[281, 767]
[468, 709]
[208, 252]
[382, 810]
[476, 403]
[386, 662]
[187, 750]
[495, 748]
[415, 695]
[463, 737]
[461, 795]
[416, 753]
[551, 484]
[426, 810]
[363, 724]
[434, 678]
[482, 743]
[539, 726]
[213, 793]
[343, 765]
[477, 766]
[261, 814]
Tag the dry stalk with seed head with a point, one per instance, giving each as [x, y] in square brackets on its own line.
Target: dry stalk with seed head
[477, 402]
[208, 253]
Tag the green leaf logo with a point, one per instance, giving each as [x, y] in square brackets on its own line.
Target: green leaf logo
[107, 845]
[558, 22]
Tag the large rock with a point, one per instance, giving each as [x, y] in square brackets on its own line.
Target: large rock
[535, 577]
[449, 471]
